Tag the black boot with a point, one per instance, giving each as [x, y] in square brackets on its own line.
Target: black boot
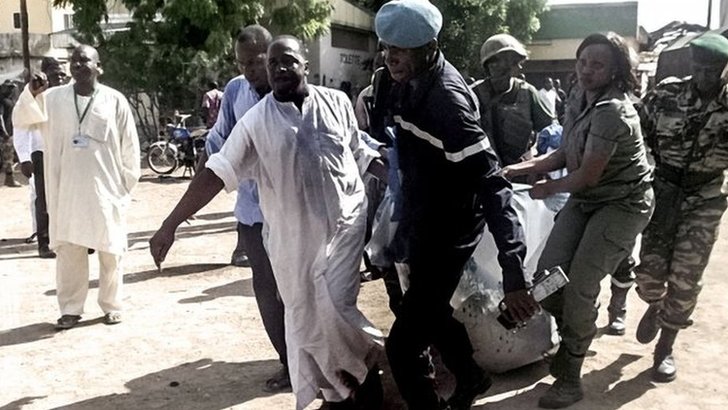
[559, 363]
[663, 367]
[617, 310]
[240, 257]
[44, 252]
[370, 395]
[347, 404]
[567, 389]
[469, 387]
[648, 326]
[10, 180]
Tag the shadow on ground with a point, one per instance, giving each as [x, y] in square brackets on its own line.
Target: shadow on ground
[598, 389]
[20, 403]
[189, 230]
[243, 287]
[203, 384]
[129, 278]
[38, 331]
[166, 179]
[25, 334]
[18, 248]
[14, 247]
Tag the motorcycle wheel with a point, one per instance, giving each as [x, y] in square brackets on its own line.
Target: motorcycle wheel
[162, 160]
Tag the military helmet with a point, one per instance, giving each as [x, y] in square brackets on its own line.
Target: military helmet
[500, 43]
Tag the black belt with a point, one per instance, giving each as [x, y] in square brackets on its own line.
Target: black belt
[685, 180]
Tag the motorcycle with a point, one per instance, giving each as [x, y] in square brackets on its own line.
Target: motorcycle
[182, 148]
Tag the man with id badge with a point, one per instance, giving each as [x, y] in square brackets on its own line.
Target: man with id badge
[91, 166]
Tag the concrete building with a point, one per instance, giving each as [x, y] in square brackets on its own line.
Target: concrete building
[44, 21]
[50, 30]
[552, 52]
[345, 54]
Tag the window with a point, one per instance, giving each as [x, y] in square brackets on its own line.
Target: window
[16, 20]
[67, 21]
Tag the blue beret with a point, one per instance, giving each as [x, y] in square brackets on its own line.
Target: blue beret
[408, 23]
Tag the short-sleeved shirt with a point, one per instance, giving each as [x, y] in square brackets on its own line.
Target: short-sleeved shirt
[612, 117]
[238, 98]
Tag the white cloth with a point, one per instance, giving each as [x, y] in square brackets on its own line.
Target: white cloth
[480, 291]
[308, 166]
[33, 196]
[549, 97]
[72, 269]
[26, 142]
[87, 189]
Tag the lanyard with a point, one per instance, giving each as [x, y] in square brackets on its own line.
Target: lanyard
[85, 111]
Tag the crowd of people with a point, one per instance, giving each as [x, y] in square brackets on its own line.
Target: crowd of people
[447, 152]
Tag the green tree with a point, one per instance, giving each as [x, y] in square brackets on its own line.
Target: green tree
[163, 58]
[468, 23]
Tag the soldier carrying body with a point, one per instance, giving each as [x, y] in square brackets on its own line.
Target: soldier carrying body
[686, 127]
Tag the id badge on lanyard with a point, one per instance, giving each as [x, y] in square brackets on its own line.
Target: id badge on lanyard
[81, 140]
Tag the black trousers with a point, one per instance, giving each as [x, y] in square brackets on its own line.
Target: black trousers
[425, 319]
[41, 209]
[265, 288]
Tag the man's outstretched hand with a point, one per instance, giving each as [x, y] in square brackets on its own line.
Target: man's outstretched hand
[160, 243]
[521, 305]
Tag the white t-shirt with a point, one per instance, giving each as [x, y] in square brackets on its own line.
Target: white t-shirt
[549, 98]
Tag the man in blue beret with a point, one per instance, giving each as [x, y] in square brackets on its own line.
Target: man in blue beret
[450, 189]
[685, 123]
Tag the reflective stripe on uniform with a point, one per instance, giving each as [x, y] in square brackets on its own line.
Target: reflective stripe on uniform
[458, 156]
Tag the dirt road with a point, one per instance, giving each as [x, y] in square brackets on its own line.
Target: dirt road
[192, 337]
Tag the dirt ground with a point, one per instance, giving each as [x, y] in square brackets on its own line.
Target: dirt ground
[192, 337]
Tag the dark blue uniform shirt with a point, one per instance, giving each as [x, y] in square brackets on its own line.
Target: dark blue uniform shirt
[450, 187]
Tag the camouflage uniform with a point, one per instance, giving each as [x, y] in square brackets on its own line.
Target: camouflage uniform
[8, 154]
[677, 243]
[7, 151]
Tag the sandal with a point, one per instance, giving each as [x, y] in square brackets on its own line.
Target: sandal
[280, 382]
[67, 321]
[112, 318]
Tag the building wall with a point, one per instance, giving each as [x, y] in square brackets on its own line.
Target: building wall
[39, 16]
[581, 19]
[345, 53]
[330, 65]
[552, 53]
[43, 19]
[352, 16]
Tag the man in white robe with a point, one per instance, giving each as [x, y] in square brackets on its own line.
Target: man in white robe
[91, 166]
[301, 145]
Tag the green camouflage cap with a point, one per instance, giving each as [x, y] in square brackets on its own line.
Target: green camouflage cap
[710, 48]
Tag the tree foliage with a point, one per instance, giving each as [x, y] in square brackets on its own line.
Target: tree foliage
[468, 23]
[163, 58]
